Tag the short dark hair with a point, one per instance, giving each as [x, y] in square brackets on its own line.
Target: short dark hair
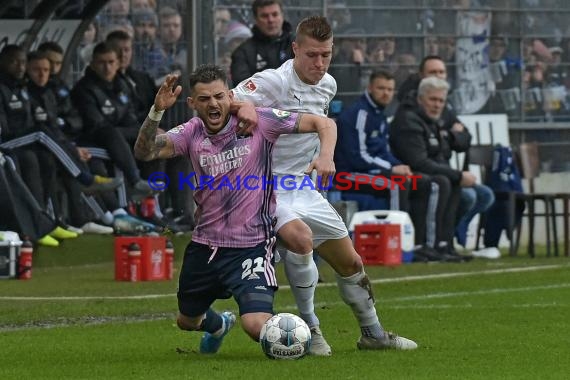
[264, 3]
[207, 73]
[316, 27]
[429, 58]
[10, 50]
[104, 48]
[380, 74]
[50, 46]
[37, 55]
[118, 35]
[168, 12]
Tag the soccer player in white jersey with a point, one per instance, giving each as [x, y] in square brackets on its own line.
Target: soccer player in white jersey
[303, 84]
[231, 252]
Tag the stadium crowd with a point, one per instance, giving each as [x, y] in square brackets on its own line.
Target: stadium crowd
[70, 137]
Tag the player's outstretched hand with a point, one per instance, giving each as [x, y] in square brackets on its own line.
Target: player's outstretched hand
[167, 93]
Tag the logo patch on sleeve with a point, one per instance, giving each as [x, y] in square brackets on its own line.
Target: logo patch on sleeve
[249, 87]
[280, 113]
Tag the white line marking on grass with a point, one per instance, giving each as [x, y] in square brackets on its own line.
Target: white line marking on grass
[477, 292]
[321, 285]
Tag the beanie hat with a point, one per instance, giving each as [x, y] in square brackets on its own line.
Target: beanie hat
[237, 30]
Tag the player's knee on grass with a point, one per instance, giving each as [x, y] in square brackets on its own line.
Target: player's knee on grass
[297, 237]
[253, 322]
[189, 323]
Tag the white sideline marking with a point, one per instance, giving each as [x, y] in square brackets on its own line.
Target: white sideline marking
[477, 292]
[322, 285]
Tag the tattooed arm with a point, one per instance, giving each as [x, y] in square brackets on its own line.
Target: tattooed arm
[149, 146]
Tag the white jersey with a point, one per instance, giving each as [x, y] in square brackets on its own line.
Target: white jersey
[281, 88]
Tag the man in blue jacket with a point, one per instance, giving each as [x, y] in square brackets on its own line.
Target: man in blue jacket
[363, 149]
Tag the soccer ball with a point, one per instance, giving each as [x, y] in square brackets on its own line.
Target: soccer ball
[285, 336]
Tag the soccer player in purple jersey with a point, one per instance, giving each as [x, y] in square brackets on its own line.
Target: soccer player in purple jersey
[231, 252]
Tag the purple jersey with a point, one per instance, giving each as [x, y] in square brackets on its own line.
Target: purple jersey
[234, 190]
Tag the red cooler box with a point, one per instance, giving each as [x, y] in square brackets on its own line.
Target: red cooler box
[153, 258]
[378, 244]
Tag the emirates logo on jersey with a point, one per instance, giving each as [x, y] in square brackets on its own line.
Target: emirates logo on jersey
[178, 129]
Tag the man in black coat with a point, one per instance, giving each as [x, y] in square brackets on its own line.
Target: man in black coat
[103, 99]
[141, 83]
[475, 199]
[270, 45]
[418, 140]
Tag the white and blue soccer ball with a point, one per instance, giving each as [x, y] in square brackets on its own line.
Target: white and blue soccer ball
[285, 336]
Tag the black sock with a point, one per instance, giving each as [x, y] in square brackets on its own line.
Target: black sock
[212, 323]
[86, 178]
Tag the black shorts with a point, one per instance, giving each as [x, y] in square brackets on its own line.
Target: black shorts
[211, 273]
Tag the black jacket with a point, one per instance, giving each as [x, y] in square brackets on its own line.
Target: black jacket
[102, 104]
[458, 141]
[261, 52]
[15, 115]
[44, 106]
[417, 141]
[143, 91]
[68, 116]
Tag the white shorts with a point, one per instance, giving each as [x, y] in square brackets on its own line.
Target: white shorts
[310, 206]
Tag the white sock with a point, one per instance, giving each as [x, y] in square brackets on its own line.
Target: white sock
[107, 218]
[303, 276]
[356, 292]
[119, 211]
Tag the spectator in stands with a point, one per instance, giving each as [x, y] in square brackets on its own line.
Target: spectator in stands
[556, 78]
[90, 38]
[173, 46]
[142, 85]
[474, 199]
[406, 65]
[109, 119]
[417, 140]
[236, 34]
[116, 12]
[382, 51]
[222, 19]
[348, 61]
[339, 16]
[352, 49]
[363, 149]
[147, 52]
[142, 4]
[270, 44]
[533, 84]
[447, 49]
[431, 45]
[506, 74]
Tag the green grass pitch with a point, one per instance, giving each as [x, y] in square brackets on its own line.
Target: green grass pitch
[499, 319]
